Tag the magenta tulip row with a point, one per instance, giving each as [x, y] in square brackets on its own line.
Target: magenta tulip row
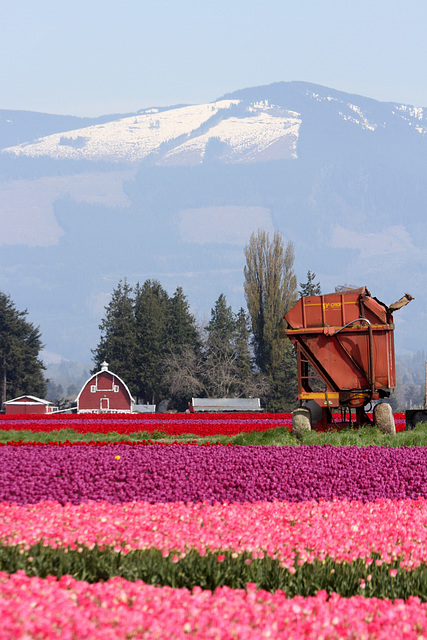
[341, 530]
[116, 609]
[123, 473]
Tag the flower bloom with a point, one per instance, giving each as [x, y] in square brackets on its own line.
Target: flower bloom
[66, 608]
[200, 424]
[341, 530]
[238, 474]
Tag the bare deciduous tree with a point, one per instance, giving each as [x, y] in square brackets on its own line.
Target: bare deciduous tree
[213, 371]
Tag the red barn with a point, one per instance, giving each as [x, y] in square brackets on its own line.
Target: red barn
[28, 404]
[104, 392]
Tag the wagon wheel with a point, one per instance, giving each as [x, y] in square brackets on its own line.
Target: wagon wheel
[383, 418]
[301, 421]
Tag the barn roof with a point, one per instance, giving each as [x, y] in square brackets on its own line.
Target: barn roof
[104, 368]
[31, 400]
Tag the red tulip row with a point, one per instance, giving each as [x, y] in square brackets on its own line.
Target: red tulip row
[146, 417]
[202, 425]
[103, 443]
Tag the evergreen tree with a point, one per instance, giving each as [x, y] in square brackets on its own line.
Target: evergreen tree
[222, 364]
[152, 324]
[252, 382]
[140, 328]
[220, 372]
[21, 370]
[118, 342]
[282, 394]
[229, 367]
[182, 352]
[182, 328]
[242, 346]
[222, 323]
[310, 288]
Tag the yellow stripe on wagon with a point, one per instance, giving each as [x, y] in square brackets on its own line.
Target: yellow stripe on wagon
[319, 396]
[327, 398]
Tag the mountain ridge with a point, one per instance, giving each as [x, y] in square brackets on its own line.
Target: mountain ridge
[136, 137]
[343, 177]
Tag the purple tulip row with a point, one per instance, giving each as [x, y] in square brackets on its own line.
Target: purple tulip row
[122, 473]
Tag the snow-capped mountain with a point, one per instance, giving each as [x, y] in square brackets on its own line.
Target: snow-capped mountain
[178, 136]
[174, 193]
[233, 130]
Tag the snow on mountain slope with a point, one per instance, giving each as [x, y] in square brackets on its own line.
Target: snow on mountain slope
[414, 116]
[246, 126]
[127, 140]
[179, 136]
[350, 112]
[259, 137]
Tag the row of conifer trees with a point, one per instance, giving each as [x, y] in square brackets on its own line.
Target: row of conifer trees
[153, 341]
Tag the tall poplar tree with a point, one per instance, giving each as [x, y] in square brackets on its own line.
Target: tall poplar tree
[270, 287]
[21, 369]
[271, 290]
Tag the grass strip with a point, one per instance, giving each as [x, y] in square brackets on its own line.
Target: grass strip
[213, 570]
[280, 436]
[69, 435]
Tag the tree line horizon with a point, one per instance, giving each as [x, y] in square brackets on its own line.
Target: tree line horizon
[155, 344]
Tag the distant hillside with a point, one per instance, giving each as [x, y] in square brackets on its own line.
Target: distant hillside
[18, 127]
[252, 125]
[65, 379]
[174, 194]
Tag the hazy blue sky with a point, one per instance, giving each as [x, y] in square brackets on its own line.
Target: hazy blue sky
[92, 57]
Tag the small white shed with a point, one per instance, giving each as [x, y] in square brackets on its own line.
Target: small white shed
[226, 404]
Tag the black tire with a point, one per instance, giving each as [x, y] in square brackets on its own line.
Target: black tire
[413, 417]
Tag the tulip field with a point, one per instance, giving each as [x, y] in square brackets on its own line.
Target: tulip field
[179, 538]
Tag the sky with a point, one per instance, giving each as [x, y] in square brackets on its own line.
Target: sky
[96, 57]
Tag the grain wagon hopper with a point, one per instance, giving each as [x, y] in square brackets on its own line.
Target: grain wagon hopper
[344, 345]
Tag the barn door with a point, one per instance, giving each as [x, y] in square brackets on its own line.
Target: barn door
[104, 404]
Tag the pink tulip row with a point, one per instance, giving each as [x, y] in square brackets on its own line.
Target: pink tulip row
[66, 608]
[341, 530]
